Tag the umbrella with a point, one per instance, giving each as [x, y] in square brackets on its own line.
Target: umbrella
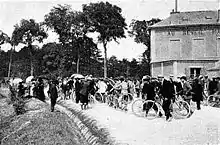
[17, 80]
[79, 76]
[28, 79]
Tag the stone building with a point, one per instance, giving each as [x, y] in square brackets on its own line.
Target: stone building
[185, 43]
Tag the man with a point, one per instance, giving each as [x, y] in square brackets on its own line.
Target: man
[77, 89]
[148, 91]
[172, 87]
[137, 87]
[102, 87]
[166, 92]
[84, 93]
[124, 90]
[186, 89]
[40, 90]
[212, 87]
[21, 89]
[53, 93]
[197, 92]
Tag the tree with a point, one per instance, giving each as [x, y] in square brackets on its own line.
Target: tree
[72, 27]
[141, 33]
[3, 38]
[27, 32]
[106, 19]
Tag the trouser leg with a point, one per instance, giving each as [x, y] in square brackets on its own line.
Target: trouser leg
[198, 105]
[166, 108]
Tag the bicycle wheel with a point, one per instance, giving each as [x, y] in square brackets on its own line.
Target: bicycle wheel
[137, 108]
[91, 99]
[212, 100]
[98, 97]
[151, 109]
[181, 108]
[130, 98]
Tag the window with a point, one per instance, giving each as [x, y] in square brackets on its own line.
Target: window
[195, 72]
[218, 46]
[198, 48]
[174, 48]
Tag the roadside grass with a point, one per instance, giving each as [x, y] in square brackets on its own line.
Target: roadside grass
[40, 126]
[104, 137]
[35, 124]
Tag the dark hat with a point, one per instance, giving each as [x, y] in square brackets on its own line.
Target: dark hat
[146, 78]
[183, 77]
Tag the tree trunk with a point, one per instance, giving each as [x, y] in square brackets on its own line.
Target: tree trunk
[77, 65]
[105, 60]
[78, 60]
[10, 61]
[31, 61]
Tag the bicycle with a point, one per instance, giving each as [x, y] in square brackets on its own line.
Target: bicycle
[114, 100]
[179, 107]
[213, 100]
[100, 97]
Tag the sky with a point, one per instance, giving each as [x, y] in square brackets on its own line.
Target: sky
[12, 11]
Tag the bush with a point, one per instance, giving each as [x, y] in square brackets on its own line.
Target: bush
[18, 105]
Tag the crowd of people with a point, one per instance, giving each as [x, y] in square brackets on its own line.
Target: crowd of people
[147, 88]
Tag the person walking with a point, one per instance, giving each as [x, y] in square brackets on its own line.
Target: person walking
[197, 90]
[40, 90]
[77, 89]
[166, 92]
[53, 93]
[148, 91]
[84, 93]
[187, 89]
[21, 90]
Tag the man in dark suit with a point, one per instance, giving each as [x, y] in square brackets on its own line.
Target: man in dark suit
[166, 92]
[148, 90]
[53, 93]
[77, 90]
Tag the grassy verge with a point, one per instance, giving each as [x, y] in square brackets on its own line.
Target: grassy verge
[103, 135]
[36, 125]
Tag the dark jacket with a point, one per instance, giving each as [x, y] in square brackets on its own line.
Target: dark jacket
[77, 86]
[165, 89]
[85, 88]
[197, 90]
[53, 91]
[148, 89]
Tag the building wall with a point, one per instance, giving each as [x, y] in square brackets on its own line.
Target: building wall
[167, 68]
[156, 69]
[181, 67]
[196, 43]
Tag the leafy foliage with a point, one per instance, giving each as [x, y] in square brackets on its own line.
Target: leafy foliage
[4, 38]
[71, 26]
[59, 19]
[141, 33]
[106, 19]
[27, 32]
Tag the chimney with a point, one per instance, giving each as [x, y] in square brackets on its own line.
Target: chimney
[176, 6]
[218, 11]
[175, 10]
[218, 15]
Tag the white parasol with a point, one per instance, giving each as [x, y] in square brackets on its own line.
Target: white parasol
[28, 79]
[79, 76]
[17, 80]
